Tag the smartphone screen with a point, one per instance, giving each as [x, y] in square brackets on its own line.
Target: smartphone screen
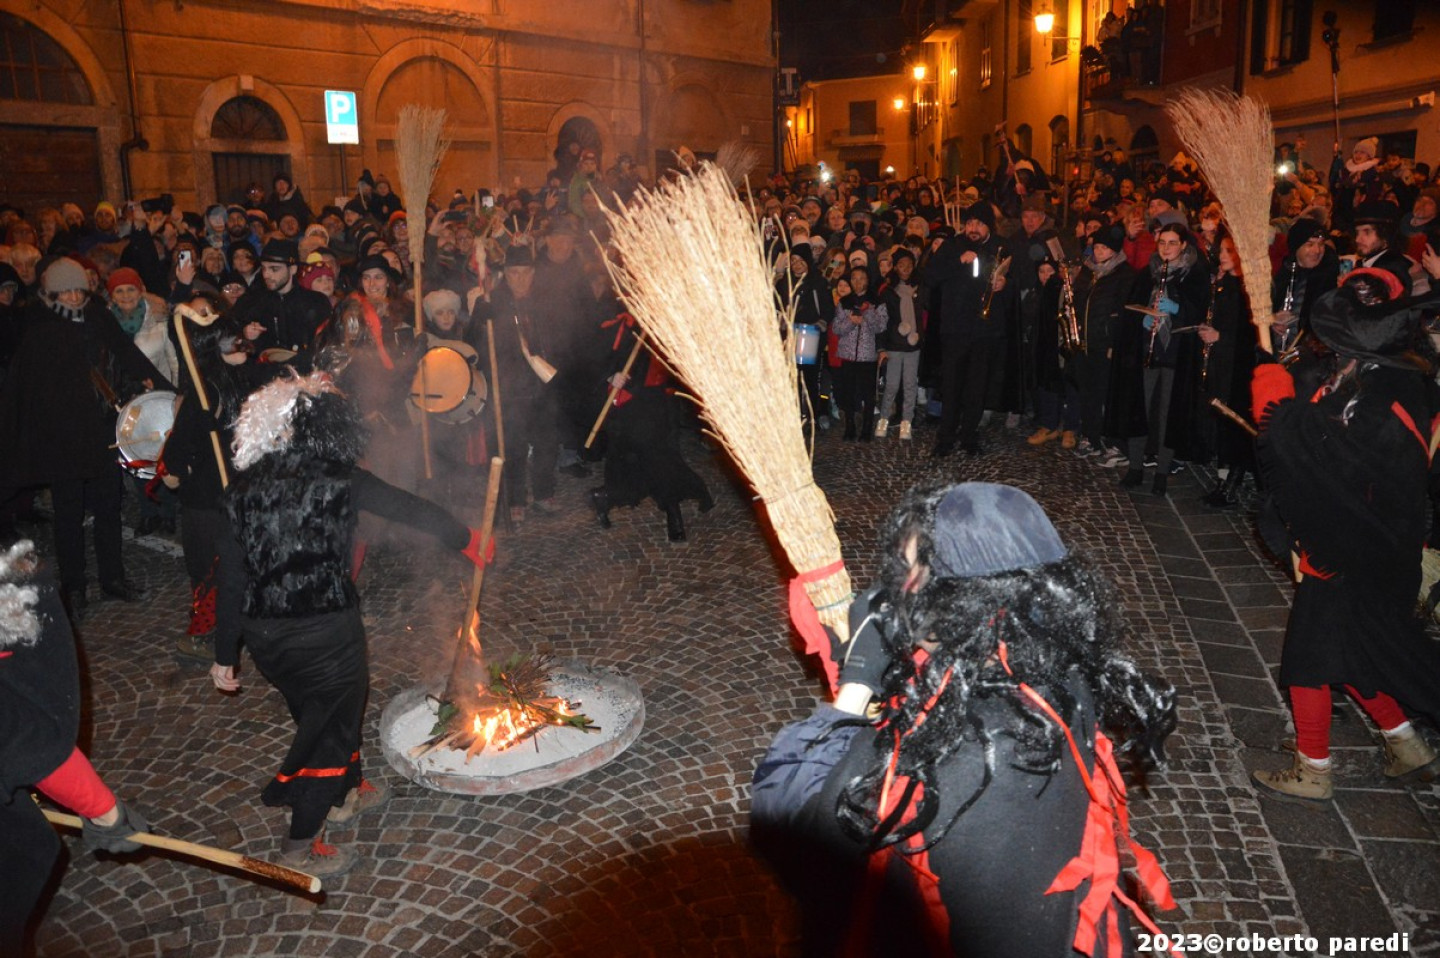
[488, 202]
[184, 258]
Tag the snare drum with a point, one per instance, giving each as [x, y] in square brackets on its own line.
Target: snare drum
[455, 391]
[807, 344]
[142, 429]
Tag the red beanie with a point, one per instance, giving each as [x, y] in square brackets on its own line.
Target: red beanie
[124, 276]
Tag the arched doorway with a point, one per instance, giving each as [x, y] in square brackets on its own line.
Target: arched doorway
[248, 145]
[428, 73]
[1144, 149]
[41, 163]
[1059, 146]
[577, 135]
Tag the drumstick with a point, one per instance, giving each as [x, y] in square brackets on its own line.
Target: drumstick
[183, 312]
[615, 390]
[279, 873]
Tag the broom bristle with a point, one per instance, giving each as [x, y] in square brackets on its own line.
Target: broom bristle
[737, 160]
[419, 147]
[1232, 140]
[693, 241]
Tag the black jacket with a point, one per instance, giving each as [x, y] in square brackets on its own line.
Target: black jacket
[963, 293]
[291, 319]
[54, 426]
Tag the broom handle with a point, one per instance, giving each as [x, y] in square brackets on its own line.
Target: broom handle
[471, 626]
[290, 877]
[615, 390]
[495, 389]
[424, 378]
[180, 316]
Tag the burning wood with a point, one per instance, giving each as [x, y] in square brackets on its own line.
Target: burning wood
[512, 708]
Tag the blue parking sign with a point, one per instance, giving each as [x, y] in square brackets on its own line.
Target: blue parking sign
[342, 118]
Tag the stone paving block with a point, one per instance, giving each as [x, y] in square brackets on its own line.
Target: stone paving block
[1258, 594]
[1260, 728]
[1386, 814]
[1202, 609]
[1259, 619]
[1223, 633]
[1192, 588]
[1232, 660]
[1250, 693]
[1335, 893]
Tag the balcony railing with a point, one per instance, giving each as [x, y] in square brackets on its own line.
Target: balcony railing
[838, 138]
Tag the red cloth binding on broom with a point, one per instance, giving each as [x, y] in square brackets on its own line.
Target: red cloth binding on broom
[807, 620]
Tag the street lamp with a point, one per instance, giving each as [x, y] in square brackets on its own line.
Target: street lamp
[899, 103]
[918, 72]
[1045, 19]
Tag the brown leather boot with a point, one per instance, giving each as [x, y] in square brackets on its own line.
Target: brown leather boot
[1410, 758]
[1301, 780]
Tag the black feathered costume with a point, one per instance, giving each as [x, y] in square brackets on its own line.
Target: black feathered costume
[294, 503]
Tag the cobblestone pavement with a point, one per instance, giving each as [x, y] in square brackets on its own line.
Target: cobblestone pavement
[647, 855]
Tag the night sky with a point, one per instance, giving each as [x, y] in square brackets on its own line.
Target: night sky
[827, 39]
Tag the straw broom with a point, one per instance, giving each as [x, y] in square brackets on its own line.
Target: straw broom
[693, 242]
[419, 148]
[1231, 138]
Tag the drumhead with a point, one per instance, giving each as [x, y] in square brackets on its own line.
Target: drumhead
[445, 378]
[142, 429]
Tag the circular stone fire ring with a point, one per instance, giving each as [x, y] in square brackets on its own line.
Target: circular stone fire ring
[553, 755]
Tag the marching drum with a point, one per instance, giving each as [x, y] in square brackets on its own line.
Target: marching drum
[142, 429]
[807, 344]
[455, 391]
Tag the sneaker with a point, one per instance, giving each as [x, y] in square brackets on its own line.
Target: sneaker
[1132, 479]
[314, 857]
[1012, 420]
[1301, 780]
[904, 430]
[361, 799]
[882, 427]
[199, 647]
[1158, 486]
[1151, 462]
[1067, 439]
[985, 418]
[1084, 450]
[1176, 467]
[1408, 757]
[1042, 435]
[545, 507]
[1113, 457]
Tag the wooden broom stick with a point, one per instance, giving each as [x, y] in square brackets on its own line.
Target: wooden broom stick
[419, 147]
[615, 390]
[495, 389]
[470, 629]
[290, 877]
[182, 313]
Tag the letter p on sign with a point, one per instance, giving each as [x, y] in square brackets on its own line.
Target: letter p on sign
[342, 120]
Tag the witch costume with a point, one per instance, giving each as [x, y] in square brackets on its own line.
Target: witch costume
[294, 504]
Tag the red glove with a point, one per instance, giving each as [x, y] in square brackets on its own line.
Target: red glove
[1272, 384]
[472, 549]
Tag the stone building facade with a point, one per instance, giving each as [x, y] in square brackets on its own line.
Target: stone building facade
[222, 92]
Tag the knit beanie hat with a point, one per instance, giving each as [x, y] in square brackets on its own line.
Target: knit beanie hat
[64, 275]
[124, 276]
[984, 528]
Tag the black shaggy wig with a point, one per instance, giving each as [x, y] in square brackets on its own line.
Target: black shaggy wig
[297, 443]
[1056, 620]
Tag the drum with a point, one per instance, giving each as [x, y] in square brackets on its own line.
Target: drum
[455, 391]
[807, 344]
[142, 429]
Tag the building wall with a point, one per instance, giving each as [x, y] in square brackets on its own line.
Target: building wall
[820, 126]
[1379, 85]
[509, 72]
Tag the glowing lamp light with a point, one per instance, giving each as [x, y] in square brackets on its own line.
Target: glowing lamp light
[1044, 20]
[899, 103]
[789, 123]
[918, 71]
[889, 171]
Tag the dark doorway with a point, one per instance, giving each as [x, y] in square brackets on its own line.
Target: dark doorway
[236, 171]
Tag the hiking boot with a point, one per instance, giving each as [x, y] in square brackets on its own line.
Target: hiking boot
[1301, 780]
[1042, 435]
[1067, 439]
[360, 800]
[314, 857]
[904, 431]
[198, 647]
[1409, 758]
[1112, 457]
[1132, 479]
[882, 427]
